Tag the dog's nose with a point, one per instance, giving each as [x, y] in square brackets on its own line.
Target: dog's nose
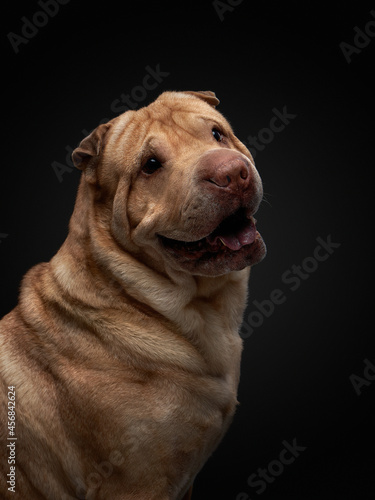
[233, 174]
[229, 171]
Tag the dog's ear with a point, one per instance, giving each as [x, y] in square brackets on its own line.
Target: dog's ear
[205, 95]
[87, 153]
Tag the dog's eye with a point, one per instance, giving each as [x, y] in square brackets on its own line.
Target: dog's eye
[151, 166]
[217, 135]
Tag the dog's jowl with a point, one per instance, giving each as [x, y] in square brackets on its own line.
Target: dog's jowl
[120, 363]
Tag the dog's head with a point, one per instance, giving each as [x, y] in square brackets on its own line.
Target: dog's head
[172, 184]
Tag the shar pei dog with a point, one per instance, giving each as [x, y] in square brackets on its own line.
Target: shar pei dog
[120, 364]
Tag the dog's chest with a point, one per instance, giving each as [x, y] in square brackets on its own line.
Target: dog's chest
[167, 426]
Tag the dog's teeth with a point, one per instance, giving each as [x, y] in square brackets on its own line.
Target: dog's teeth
[250, 217]
[248, 213]
[222, 242]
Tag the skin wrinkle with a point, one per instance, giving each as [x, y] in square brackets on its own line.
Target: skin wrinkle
[179, 131]
[122, 131]
[149, 150]
[204, 118]
[115, 331]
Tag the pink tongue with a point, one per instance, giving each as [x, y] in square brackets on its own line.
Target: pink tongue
[236, 239]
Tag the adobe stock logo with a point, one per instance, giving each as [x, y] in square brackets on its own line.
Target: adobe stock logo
[292, 278]
[267, 475]
[222, 7]
[30, 28]
[266, 135]
[130, 444]
[361, 39]
[151, 80]
[368, 377]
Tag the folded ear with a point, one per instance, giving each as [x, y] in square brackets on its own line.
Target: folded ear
[205, 95]
[87, 153]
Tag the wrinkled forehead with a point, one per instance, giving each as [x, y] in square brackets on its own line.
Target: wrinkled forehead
[167, 125]
[185, 115]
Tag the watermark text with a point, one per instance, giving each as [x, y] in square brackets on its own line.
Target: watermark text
[267, 475]
[292, 278]
[31, 27]
[361, 39]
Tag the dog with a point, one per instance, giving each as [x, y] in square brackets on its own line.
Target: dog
[120, 364]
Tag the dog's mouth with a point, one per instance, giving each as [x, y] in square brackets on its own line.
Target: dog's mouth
[232, 234]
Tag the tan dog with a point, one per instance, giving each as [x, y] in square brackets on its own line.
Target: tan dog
[124, 352]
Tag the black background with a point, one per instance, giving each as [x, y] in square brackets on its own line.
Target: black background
[317, 176]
